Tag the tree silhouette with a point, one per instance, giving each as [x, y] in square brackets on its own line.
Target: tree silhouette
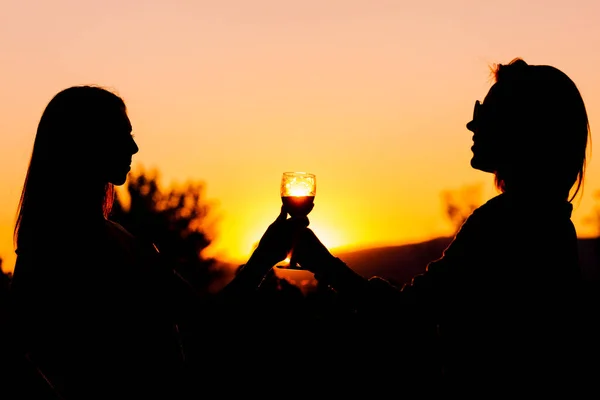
[594, 218]
[5, 278]
[460, 203]
[176, 220]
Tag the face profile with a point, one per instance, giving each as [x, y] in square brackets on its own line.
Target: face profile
[94, 119]
[531, 130]
[120, 148]
[487, 137]
[84, 136]
[107, 135]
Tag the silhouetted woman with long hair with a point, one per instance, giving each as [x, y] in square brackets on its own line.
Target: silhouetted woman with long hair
[501, 301]
[93, 307]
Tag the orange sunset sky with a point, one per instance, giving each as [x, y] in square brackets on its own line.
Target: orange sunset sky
[372, 96]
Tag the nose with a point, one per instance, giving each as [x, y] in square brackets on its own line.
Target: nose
[133, 147]
[471, 126]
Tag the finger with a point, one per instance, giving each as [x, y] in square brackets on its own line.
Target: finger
[306, 236]
[293, 262]
[282, 215]
[300, 222]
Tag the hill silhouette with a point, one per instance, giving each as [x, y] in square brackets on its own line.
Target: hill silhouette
[399, 264]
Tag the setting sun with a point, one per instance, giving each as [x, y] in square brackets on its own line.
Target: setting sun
[298, 190]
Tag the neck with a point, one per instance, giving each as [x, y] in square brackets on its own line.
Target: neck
[540, 192]
[87, 203]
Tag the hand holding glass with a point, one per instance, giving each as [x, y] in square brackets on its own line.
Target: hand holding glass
[298, 191]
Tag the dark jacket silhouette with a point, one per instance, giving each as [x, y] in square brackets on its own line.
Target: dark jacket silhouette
[501, 308]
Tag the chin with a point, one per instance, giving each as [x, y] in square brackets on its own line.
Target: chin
[118, 181]
[482, 165]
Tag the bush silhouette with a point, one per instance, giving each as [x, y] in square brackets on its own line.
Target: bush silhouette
[176, 220]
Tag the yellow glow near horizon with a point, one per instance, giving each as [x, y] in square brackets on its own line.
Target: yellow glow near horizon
[371, 97]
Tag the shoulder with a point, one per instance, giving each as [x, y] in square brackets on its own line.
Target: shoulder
[118, 229]
[498, 205]
[479, 228]
[121, 235]
[128, 239]
[483, 216]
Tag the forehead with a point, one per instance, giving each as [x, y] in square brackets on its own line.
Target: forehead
[119, 120]
[493, 95]
[503, 95]
[127, 122]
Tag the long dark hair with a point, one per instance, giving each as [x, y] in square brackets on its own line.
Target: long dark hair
[544, 110]
[69, 129]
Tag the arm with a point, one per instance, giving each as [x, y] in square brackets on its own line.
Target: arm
[376, 292]
[273, 247]
[248, 278]
[358, 291]
[391, 320]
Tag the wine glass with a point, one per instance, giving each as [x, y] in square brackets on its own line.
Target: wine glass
[298, 191]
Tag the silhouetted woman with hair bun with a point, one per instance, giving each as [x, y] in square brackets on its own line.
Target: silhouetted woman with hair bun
[502, 302]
